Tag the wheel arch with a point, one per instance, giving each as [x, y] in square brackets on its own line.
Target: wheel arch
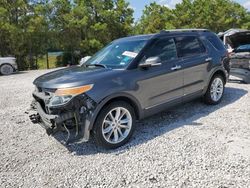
[6, 63]
[208, 99]
[118, 97]
[220, 72]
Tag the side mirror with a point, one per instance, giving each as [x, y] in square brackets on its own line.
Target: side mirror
[84, 60]
[151, 62]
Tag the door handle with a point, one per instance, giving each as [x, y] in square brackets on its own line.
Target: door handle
[177, 67]
[208, 59]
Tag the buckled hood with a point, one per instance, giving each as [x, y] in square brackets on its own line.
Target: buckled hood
[238, 38]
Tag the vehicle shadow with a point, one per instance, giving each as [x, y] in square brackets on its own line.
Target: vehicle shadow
[159, 124]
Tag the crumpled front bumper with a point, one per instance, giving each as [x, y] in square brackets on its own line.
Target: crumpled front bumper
[48, 122]
[73, 118]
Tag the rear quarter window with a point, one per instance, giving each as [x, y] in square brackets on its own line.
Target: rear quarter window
[216, 42]
[189, 46]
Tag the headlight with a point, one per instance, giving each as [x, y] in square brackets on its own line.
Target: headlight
[59, 100]
[62, 96]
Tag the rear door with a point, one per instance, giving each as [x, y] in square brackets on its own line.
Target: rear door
[194, 63]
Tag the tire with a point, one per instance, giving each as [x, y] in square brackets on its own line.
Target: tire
[108, 128]
[216, 88]
[6, 69]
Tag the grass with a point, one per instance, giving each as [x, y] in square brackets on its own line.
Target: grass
[42, 62]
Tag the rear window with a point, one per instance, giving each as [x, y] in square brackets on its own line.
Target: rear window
[189, 46]
[216, 42]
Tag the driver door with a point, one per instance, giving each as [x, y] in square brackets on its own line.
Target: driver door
[161, 84]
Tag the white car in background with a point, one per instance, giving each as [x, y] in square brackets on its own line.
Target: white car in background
[7, 65]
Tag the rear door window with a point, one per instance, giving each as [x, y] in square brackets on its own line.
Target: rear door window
[189, 46]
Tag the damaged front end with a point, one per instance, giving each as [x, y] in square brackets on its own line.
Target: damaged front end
[240, 65]
[238, 44]
[72, 114]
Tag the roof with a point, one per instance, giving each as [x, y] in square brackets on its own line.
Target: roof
[149, 36]
[136, 37]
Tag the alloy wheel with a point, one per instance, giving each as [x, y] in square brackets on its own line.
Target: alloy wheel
[216, 89]
[117, 125]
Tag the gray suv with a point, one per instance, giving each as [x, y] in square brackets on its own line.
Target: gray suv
[130, 79]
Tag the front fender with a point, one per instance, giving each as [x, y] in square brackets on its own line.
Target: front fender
[101, 104]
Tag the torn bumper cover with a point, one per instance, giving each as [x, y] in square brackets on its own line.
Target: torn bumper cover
[73, 118]
[48, 122]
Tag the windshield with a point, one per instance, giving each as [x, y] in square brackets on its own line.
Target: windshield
[118, 54]
[243, 48]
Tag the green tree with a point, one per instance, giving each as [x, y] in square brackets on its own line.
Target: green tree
[24, 26]
[85, 26]
[31, 28]
[155, 18]
[216, 15]
[37, 31]
[107, 20]
[12, 29]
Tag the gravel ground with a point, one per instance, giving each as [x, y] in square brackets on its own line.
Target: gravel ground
[192, 145]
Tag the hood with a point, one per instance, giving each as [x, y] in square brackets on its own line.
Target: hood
[71, 77]
[239, 38]
[12, 58]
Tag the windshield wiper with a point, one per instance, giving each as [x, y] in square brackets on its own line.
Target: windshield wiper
[96, 65]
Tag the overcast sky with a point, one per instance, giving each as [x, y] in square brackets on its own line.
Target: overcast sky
[138, 5]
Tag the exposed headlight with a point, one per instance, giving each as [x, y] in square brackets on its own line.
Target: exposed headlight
[62, 96]
[59, 100]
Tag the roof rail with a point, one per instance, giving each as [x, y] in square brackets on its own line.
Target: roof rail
[184, 30]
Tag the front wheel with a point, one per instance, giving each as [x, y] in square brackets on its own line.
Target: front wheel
[114, 125]
[215, 90]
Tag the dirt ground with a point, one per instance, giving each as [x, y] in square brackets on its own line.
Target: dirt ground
[192, 145]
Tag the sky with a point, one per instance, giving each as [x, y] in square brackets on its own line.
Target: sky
[138, 5]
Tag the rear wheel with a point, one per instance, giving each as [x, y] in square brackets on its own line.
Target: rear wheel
[114, 125]
[6, 69]
[215, 90]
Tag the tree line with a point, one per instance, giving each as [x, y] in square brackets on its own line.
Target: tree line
[30, 29]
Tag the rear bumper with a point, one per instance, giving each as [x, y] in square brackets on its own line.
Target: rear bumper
[244, 74]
